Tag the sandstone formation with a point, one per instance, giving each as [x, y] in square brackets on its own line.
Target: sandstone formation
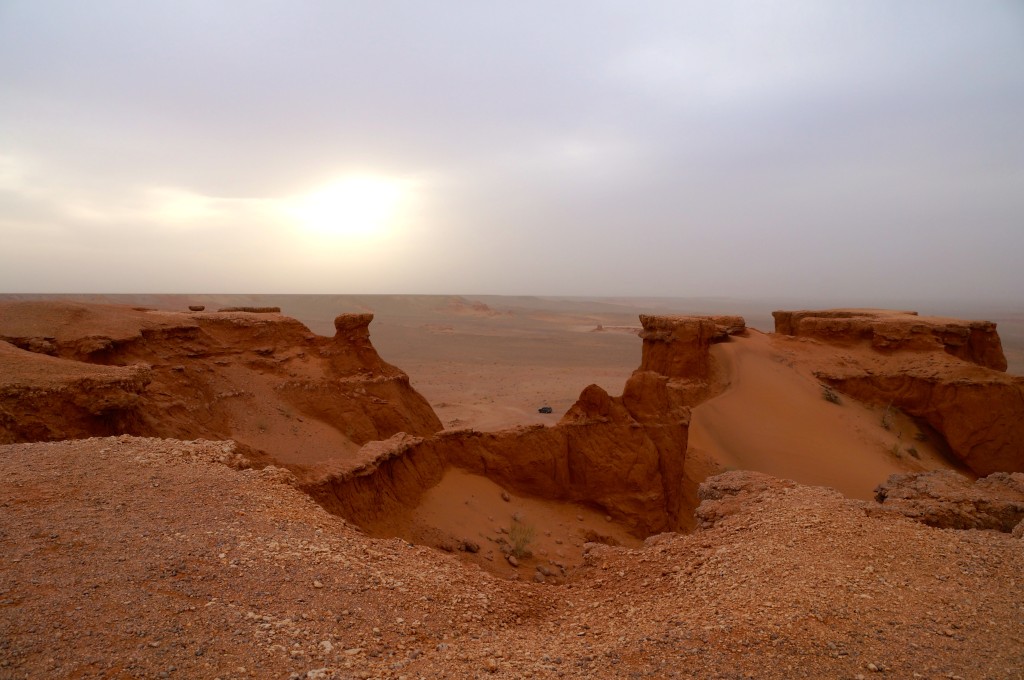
[260, 378]
[948, 374]
[622, 455]
[973, 341]
[947, 500]
[127, 556]
[677, 347]
[46, 398]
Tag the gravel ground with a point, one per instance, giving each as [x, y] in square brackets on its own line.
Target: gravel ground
[149, 558]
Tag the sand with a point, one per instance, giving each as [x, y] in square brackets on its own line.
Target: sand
[773, 418]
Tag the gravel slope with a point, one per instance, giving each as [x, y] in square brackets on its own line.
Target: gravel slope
[127, 557]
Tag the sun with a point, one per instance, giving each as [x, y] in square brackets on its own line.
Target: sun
[352, 208]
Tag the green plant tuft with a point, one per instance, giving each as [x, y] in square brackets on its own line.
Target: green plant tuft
[888, 416]
[520, 537]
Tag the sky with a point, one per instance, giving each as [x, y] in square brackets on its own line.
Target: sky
[859, 151]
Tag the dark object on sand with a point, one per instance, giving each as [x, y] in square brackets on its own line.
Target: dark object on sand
[196, 308]
[253, 310]
[544, 409]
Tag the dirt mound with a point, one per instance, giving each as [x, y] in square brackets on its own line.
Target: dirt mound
[260, 378]
[730, 493]
[144, 558]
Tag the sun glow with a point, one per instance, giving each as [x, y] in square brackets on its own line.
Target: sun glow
[352, 208]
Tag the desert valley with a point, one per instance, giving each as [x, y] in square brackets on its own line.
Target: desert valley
[366, 487]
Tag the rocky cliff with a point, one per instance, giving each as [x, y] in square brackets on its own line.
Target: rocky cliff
[624, 455]
[947, 373]
[262, 379]
[973, 341]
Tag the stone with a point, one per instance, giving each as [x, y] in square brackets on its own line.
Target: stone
[947, 500]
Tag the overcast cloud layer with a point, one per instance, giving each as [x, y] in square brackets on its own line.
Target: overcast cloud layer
[859, 150]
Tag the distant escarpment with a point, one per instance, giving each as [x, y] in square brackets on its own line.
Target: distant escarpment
[624, 455]
[947, 373]
[75, 370]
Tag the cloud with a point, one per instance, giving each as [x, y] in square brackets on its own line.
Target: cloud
[574, 147]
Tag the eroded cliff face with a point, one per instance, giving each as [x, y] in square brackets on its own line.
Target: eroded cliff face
[948, 373]
[600, 457]
[363, 443]
[973, 341]
[90, 400]
[262, 379]
[623, 455]
[348, 424]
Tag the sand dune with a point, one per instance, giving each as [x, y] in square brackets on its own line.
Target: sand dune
[773, 418]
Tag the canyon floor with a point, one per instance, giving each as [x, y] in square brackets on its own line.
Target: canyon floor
[142, 557]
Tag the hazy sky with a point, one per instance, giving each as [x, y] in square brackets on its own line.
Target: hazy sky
[863, 150]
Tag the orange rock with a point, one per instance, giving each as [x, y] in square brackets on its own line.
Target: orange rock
[624, 455]
[949, 374]
[973, 341]
[947, 500]
[240, 375]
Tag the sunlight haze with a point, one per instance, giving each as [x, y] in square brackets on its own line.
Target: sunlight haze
[868, 151]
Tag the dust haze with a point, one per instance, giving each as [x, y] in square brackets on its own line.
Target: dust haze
[865, 154]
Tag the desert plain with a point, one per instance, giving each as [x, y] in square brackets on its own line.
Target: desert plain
[365, 487]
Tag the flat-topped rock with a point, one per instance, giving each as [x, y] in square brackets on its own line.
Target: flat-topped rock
[974, 341]
[678, 346]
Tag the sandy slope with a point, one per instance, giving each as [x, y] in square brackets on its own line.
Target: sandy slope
[773, 418]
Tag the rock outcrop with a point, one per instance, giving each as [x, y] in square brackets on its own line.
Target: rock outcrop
[86, 400]
[365, 445]
[944, 499]
[598, 455]
[973, 341]
[678, 346]
[624, 455]
[257, 377]
[947, 373]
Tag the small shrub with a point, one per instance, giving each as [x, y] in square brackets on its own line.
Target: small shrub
[888, 416]
[830, 395]
[520, 536]
[912, 450]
